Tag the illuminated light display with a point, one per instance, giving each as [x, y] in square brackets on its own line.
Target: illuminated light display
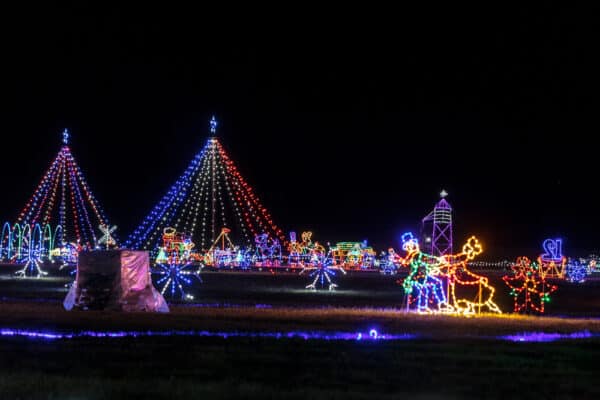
[67, 254]
[306, 335]
[468, 292]
[593, 263]
[438, 224]
[211, 194]
[353, 255]
[576, 271]
[32, 252]
[552, 263]
[222, 252]
[422, 286]
[389, 263]
[297, 250]
[322, 269]
[63, 191]
[305, 252]
[30, 246]
[173, 278]
[268, 250]
[552, 250]
[107, 239]
[528, 286]
[544, 337]
[372, 335]
[18, 241]
[176, 248]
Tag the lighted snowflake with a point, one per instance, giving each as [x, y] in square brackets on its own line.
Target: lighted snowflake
[174, 279]
[32, 267]
[322, 272]
[576, 271]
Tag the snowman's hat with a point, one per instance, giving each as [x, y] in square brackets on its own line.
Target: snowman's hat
[408, 237]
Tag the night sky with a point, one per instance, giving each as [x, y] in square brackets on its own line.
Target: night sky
[347, 125]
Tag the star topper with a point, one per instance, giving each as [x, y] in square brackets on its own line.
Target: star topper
[213, 125]
[443, 193]
[65, 136]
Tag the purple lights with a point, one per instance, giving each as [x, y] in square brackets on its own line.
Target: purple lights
[371, 335]
[542, 337]
[315, 335]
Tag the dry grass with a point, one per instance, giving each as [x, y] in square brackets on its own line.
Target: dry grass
[52, 316]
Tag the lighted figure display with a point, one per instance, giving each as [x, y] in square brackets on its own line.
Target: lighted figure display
[322, 269]
[67, 255]
[593, 263]
[576, 271]
[268, 250]
[422, 286]
[174, 269]
[244, 258]
[222, 252]
[305, 252]
[173, 278]
[353, 255]
[297, 250]
[210, 194]
[177, 248]
[389, 262]
[64, 198]
[552, 263]
[468, 292]
[528, 286]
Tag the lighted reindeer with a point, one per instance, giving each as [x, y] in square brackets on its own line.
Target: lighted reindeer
[474, 290]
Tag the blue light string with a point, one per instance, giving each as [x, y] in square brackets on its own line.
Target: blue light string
[173, 196]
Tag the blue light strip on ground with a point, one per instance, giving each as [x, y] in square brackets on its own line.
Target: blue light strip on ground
[372, 335]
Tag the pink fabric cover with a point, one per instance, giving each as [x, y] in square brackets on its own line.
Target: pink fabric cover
[114, 280]
[137, 291]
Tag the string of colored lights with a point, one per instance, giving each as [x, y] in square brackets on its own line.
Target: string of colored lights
[462, 282]
[528, 286]
[322, 269]
[576, 271]
[552, 263]
[211, 192]
[74, 194]
[174, 277]
[422, 286]
[28, 245]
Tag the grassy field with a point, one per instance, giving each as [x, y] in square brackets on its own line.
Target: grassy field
[287, 290]
[50, 317]
[296, 369]
[451, 357]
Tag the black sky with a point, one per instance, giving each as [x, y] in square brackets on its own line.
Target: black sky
[348, 124]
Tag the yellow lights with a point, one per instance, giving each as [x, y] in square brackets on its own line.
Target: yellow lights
[468, 292]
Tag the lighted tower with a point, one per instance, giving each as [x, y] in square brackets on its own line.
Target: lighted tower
[437, 228]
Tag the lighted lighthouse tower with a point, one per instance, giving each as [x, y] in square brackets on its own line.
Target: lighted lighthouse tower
[437, 228]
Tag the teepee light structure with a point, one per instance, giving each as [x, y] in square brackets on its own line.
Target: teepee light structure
[63, 198]
[210, 195]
